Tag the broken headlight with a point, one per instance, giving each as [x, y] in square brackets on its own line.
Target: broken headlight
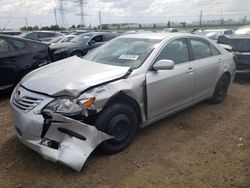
[69, 106]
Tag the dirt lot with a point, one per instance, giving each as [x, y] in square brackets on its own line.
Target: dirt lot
[204, 146]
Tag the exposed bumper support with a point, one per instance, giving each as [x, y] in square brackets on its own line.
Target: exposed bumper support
[73, 150]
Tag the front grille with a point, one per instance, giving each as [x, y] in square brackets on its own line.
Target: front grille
[27, 103]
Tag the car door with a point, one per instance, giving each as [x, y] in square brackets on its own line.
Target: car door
[207, 67]
[169, 90]
[8, 58]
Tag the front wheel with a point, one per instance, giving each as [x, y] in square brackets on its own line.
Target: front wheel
[119, 121]
[220, 91]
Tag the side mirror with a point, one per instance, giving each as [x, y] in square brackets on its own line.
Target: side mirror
[92, 42]
[163, 65]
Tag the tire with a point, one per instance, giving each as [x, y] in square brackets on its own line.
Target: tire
[120, 121]
[220, 91]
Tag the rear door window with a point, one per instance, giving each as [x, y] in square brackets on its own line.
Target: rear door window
[201, 48]
[214, 50]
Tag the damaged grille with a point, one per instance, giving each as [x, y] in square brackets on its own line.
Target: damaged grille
[27, 103]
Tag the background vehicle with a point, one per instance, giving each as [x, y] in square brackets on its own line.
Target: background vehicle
[44, 36]
[171, 30]
[18, 57]
[66, 38]
[80, 45]
[240, 43]
[125, 84]
[215, 33]
[78, 32]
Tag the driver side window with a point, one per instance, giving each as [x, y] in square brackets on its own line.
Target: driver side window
[176, 50]
[98, 38]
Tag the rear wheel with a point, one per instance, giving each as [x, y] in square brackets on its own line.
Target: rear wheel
[220, 91]
[120, 121]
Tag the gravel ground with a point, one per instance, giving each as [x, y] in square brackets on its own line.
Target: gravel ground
[203, 146]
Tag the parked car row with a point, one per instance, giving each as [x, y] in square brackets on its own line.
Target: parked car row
[234, 41]
[43, 47]
[18, 57]
[79, 45]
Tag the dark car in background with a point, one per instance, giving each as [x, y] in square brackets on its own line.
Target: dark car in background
[43, 36]
[240, 43]
[80, 45]
[18, 57]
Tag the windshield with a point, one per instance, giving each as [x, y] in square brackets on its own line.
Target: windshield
[127, 52]
[82, 39]
[55, 40]
[68, 38]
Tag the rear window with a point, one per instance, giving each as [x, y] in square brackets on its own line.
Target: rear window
[33, 36]
[108, 37]
[46, 35]
[214, 50]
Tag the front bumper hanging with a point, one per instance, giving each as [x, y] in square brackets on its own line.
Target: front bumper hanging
[74, 141]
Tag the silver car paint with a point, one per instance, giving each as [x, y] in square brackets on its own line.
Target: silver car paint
[158, 94]
[72, 151]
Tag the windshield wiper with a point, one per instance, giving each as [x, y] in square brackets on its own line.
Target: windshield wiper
[130, 70]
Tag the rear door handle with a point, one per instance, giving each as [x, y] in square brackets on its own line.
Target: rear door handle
[220, 61]
[190, 70]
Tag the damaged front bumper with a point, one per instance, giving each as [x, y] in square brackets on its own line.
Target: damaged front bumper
[66, 140]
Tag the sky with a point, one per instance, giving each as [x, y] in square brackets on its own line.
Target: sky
[13, 13]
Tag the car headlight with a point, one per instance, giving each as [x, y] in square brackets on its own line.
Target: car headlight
[61, 50]
[69, 106]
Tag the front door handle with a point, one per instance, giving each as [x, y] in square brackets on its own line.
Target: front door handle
[220, 61]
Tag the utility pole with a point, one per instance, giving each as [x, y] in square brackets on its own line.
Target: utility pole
[100, 19]
[26, 21]
[55, 15]
[201, 12]
[221, 14]
[61, 13]
[82, 3]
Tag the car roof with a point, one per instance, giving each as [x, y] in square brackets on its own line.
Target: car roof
[97, 33]
[19, 38]
[159, 36]
[216, 30]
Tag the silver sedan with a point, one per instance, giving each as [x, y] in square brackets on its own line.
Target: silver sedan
[66, 109]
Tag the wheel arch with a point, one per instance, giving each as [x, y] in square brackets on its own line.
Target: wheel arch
[121, 97]
[228, 74]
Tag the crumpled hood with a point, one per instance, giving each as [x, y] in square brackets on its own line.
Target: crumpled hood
[70, 76]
